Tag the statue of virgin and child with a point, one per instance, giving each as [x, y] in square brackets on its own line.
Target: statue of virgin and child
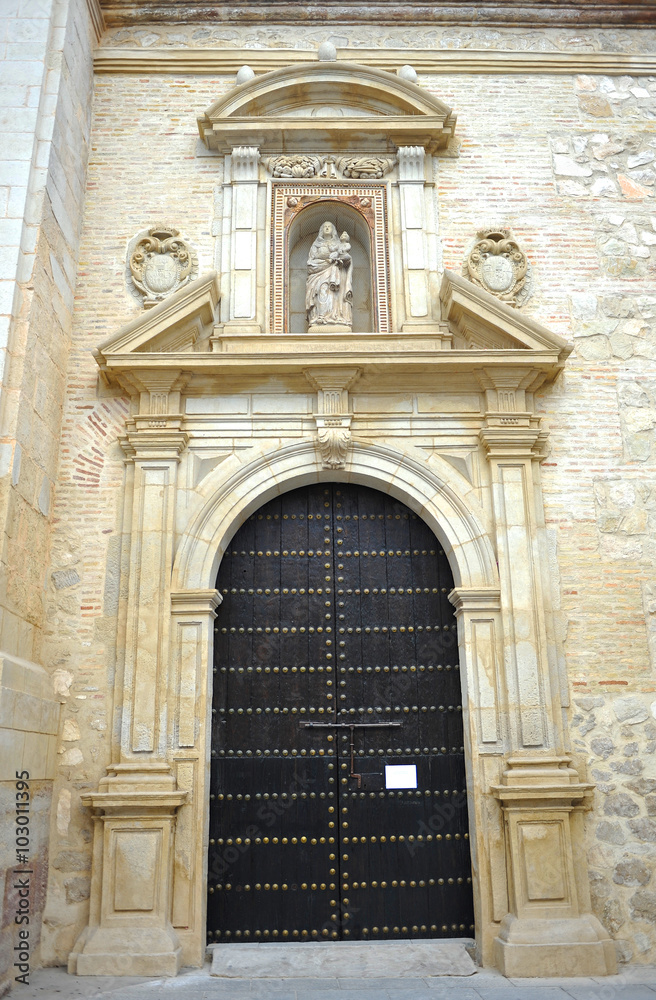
[329, 287]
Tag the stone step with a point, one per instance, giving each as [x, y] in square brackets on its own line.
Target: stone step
[343, 959]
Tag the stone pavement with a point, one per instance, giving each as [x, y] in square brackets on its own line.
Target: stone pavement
[634, 983]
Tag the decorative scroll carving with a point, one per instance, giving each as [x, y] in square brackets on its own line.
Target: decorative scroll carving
[333, 419]
[160, 264]
[499, 265]
[244, 163]
[296, 165]
[299, 165]
[365, 167]
[334, 437]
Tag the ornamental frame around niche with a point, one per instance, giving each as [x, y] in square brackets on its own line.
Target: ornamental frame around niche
[371, 203]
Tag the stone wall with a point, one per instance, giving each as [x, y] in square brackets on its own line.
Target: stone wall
[45, 72]
[518, 134]
[617, 737]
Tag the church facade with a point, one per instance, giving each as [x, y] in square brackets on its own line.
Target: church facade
[328, 483]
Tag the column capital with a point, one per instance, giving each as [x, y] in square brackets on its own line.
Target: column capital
[244, 161]
[331, 380]
[475, 599]
[154, 439]
[504, 437]
[411, 163]
[195, 602]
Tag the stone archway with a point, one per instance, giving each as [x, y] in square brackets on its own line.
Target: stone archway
[532, 908]
[447, 503]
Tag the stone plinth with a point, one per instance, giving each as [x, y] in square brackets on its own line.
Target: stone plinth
[549, 931]
[129, 931]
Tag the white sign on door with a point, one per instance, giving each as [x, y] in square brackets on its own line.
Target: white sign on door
[400, 776]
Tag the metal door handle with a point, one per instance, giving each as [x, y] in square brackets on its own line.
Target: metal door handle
[352, 726]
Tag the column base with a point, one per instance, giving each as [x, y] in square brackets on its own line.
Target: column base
[129, 931]
[577, 946]
[124, 951]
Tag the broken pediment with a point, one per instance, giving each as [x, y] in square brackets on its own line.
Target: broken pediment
[328, 106]
[177, 324]
[478, 335]
[479, 321]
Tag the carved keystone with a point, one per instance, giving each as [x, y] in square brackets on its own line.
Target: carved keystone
[332, 418]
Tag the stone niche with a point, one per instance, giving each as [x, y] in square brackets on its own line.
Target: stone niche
[349, 212]
[359, 138]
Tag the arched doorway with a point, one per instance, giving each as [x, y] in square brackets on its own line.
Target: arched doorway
[338, 805]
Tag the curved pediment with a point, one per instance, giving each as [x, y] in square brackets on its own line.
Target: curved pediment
[332, 106]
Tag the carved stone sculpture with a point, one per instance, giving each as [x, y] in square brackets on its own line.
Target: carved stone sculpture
[287, 165]
[365, 167]
[498, 265]
[161, 263]
[329, 288]
[334, 438]
[298, 165]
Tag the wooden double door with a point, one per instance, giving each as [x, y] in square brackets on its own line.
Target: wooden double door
[338, 805]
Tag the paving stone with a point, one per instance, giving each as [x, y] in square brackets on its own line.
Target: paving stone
[563, 982]
[523, 993]
[382, 984]
[442, 991]
[607, 991]
[350, 994]
[642, 974]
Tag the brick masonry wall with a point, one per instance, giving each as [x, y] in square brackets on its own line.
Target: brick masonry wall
[527, 160]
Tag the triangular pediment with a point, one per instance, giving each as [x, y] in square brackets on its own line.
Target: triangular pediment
[177, 324]
[327, 105]
[481, 322]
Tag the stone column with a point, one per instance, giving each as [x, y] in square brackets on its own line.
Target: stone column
[414, 236]
[130, 931]
[480, 638]
[243, 188]
[190, 731]
[549, 929]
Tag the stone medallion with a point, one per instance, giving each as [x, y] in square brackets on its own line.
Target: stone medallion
[159, 263]
[497, 264]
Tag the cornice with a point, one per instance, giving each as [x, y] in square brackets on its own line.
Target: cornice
[372, 353]
[555, 13]
[195, 602]
[216, 62]
[97, 19]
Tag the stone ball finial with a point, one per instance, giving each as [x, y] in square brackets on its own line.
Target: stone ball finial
[408, 73]
[245, 74]
[327, 52]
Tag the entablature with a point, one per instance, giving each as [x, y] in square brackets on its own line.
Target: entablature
[482, 345]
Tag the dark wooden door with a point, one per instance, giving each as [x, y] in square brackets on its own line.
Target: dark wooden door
[336, 679]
